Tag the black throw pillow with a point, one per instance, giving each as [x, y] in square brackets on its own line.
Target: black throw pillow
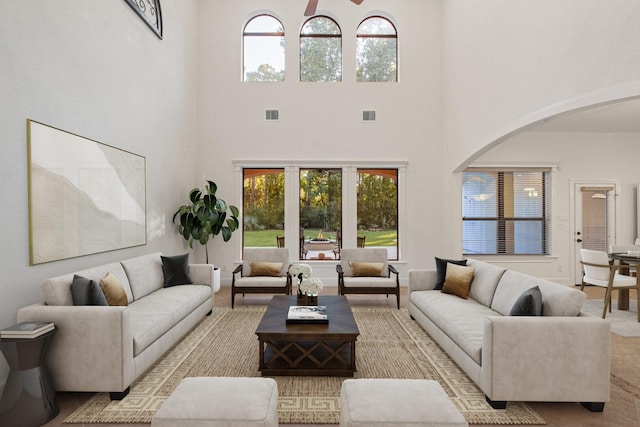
[441, 268]
[86, 292]
[176, 270]
[528, 304]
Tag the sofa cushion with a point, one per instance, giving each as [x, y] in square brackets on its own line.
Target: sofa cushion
[485, 281]
[265, 268]
[458, 280]
[175, 270]
[441, 269]
[369, 282]
[144, 273]
[57, 290]
[86, 292]
[113, 290]
[557, 300]
[462, 320]
[265, 255]
[363, 269]
[156, 313]
[528, 304]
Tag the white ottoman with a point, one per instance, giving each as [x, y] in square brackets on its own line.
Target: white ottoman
[397, 403]
[220, 401]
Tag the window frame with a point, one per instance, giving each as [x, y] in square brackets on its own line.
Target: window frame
[501, 219]
[280, 34]
[378, 36]
[349, 198]
[324, 36]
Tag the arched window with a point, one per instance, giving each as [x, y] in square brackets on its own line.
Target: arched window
[263, 59]
[320, 50]
[376, 51]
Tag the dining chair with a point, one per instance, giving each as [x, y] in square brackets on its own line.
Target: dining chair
[598, 271]
[360, 242]
[280, 241]
[336, 250]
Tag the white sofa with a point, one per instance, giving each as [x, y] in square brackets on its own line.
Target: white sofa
[561, 356]
[106, 348]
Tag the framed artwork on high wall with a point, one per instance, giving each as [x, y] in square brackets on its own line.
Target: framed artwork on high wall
[149, 11]
[85, 197]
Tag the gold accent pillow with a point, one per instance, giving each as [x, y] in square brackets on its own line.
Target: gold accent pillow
[264, 268]
[113, 290]
[458, 280]
[366, 269]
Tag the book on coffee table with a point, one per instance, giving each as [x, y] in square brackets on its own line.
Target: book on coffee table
[307, 314]
[27, 330]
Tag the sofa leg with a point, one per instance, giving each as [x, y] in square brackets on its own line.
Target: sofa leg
[209, 313]
[593, 406]
[412, 318]
[496, 404]
[119, 395]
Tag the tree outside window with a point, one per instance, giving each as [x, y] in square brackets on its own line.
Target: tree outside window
[377, 191]
[376, 51]
[263, 207]
[320, 51]
[263, 59]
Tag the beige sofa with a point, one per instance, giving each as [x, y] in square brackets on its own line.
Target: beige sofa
[106, 348]
[561, 356]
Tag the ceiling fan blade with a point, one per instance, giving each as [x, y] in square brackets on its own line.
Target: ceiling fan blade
[358, 2]
[311, 8]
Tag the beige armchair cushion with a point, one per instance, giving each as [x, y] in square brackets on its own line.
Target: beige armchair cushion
[363, 255]
[265, 268]
[271, 255]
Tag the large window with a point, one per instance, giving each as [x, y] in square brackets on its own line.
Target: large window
[377, 191]
[376, 51]
[505, 211]
[263, 39]
[320, 212]
[263, 207]
[320, 50]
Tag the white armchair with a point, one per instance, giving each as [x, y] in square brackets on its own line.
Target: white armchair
[263, 271]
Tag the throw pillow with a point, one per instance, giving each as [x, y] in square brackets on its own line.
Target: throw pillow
[176, 270]
[441, 269]
[113, 290]
[265, 268]
[366, 269]
[458, 280]
[86, 292]
[528, 304]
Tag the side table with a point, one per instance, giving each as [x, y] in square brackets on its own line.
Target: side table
[29, 398]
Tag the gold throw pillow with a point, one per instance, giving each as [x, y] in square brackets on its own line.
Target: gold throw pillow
[366, 269]
[264, 268]
[113, 290]
[458, 280]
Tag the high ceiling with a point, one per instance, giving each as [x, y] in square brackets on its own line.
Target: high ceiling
[619, 117]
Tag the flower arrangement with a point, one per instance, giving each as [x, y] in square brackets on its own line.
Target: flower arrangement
[311, 286]
[300, 271]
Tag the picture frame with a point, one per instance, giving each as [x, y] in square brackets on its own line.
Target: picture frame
[150, 12]
[85, 197]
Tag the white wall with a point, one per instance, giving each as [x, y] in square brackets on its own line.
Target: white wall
[579, 157]
[509, 63]
[101, 73]
[322, 121]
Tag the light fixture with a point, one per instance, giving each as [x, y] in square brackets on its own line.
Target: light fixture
[531, 192]
[483, 197]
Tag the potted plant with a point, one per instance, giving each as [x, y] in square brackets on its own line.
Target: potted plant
[206, 217]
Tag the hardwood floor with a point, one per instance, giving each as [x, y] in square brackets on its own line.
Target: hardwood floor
[622, 411]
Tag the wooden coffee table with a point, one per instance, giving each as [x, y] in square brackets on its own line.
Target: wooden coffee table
[308, 349]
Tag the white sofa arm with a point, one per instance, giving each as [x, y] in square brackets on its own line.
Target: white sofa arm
[93, 347]
[554, 359]
[203, 274]
[422, 280]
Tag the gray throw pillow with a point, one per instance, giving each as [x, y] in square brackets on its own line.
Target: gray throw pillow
[86, 292]
[176, 270]
[528, 304]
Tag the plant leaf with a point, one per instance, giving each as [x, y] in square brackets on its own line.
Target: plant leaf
[234, 210]
[195, 194]
[212, 187]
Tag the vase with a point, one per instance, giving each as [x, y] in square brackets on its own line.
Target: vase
[302, 298]
[312, 300]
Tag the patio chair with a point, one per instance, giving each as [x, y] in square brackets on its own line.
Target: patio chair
[367, 271]
[263, 271]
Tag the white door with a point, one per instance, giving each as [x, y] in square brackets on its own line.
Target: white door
[594, 222]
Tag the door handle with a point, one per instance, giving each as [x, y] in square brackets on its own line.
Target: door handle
[579, 240]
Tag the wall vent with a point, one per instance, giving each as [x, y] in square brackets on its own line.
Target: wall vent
[272, 115]
[369, 115]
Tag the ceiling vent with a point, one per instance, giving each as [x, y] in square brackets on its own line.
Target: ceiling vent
[272, 115]
[369, 115]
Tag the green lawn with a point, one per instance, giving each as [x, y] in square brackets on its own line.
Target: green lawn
[267, 238]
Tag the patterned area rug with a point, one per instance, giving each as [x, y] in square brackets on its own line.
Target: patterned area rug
[391, 345]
